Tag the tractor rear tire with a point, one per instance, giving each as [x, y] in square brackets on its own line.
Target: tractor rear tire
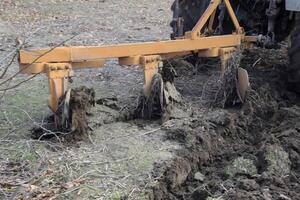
[294, 54]
[190, 11]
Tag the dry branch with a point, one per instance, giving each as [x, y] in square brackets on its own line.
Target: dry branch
[28, 65]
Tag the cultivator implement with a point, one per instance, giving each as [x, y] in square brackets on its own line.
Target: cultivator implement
[60, 62]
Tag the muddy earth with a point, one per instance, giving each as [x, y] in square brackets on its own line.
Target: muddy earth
[204, 147]
[248, 151]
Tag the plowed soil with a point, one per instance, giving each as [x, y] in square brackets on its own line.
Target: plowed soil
[249, 151]
[203, 151]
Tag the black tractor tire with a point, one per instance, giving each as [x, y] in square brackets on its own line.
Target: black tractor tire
[294, 54]
[251, 15]
[190, 11]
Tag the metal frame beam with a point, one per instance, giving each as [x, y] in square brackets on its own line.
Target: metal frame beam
[91, 53]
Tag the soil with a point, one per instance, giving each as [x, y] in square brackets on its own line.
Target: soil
[203, 149]
[245, 152]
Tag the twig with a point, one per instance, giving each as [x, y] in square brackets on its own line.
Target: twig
[149, 132]
[256, 62]
[90, 138]
[28, 65]
[8, 65]
[48, 132]
[18, 84]
[51, 144]
[19, 46]
[106, 162]
[132, 191]
[134, 134]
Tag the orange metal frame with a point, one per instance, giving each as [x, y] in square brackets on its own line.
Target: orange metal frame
[59, 63]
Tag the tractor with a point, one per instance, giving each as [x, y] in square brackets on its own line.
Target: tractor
[273, 20]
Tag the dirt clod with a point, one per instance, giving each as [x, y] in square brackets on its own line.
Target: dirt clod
[199, 176]
[248, 151]
[241, 166]
[178, 172]
[248, 184]
[70, 120]
[277, 161]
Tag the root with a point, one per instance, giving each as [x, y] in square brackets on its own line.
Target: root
[221, 89]
[70, 120]
[163, 95]
[152, 106]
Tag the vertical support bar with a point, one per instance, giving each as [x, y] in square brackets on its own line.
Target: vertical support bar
[58, 74]
[151, 66]
[223, 64]
[56, 89]
[211, 22]
[225, 55]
